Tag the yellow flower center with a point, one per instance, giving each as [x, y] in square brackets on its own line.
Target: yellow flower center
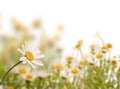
[60, 27]
[83, 63]
[18, 25]
[104, 48]
[79, 44]
[37, 23]
[29, 77]
[95, 68]
[10, 87]
[92, 46]
[92, 52]
[70, 58]
[114, 63]
[22, 70]
[29, 56]
[75, 70]
[68, 65]
[59, 67]
[67, 83]
[99, 55]
[109, 45]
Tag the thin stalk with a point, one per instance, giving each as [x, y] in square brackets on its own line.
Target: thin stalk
[81, 53]
[28, 84]
[101, 39]
[8, 72]
[118, 82]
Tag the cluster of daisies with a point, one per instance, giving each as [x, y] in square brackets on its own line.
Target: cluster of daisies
[86, 70]
[94, 69]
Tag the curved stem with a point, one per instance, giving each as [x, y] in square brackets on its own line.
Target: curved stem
[81, 53]
[101, 39]
[9, 71]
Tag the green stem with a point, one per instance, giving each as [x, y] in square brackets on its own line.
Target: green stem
[9, 71]
[39, 82]
[103, 65]
[118, 82]
[81, 53]
[101, 39]
[28, 84]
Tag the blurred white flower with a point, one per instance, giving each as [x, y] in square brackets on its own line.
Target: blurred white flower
[29, 76]
[31, 54]
[1, 87]
[41, 74]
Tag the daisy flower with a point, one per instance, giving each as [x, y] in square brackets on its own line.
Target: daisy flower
[29, 77]
[20, 70]
[41, 73]
[74, 70]
[30, 54]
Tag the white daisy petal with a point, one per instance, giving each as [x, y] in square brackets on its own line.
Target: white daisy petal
[33, 48]
[37, 62]
[29, 46]
[21, 51]
[30, 63]
[39, 56]
[26, 46]
[23, 59]
[23, 47]
[36, 52]
[24, 62]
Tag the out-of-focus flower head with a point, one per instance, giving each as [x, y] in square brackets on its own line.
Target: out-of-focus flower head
[93, 47]
[10, 87]
[75, 70]
[18, 25]
[114, 63]
[60, 27]
[59, 67]
[41, 73]
[67, 83]
[79, 44]
[36, 23]
[95, 68]
[22, 70]
[29, 76]
[70, 58]
[83, 63]
[1, 87]
[107, 47]
[99, 55]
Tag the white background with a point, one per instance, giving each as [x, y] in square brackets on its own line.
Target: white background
[82, 18]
